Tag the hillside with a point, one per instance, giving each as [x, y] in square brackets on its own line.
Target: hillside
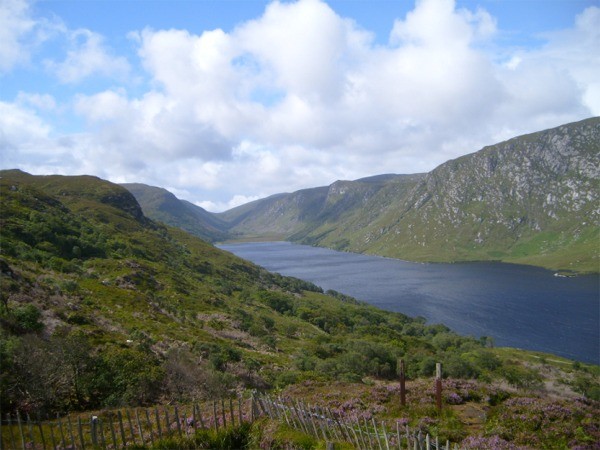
[304, 211]
[102, 307]
[161, 205]
[531, 200]
[80, 262]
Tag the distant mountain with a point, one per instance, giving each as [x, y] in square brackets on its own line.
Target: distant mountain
[317, 210]
[532, 199]
[161, 205]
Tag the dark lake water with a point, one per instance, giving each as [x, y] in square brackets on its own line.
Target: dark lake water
[519, 306]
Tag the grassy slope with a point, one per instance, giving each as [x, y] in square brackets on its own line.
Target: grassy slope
[134, 312]
[160, 205]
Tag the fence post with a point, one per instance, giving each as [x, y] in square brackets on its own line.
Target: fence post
[71, 434]
[167, 422]
[402, 383]
[223, 413]
[80, 430]
[112, 430]
[131, 429]
[149, 422]
[121, 428]
[438, 386]
[200, 417]
[215, 416]
[51, 433]
[94, 430]
[177, 421]
[158, 423]
[103, 439]
[21, 432]
[41, 430]
[30, 428]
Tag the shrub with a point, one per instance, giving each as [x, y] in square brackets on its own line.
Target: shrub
[28, 318]
[522, 377]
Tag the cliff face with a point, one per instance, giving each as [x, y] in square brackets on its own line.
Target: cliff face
[532, 199]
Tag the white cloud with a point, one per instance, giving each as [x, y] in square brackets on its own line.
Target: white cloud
[15, 24]
[88, 56]
[42, 102]
[236, 200]
[300, 97]
[21, 34]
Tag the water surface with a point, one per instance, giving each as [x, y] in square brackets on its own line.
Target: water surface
[519, 306]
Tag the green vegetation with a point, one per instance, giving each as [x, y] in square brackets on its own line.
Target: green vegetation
[530, 200]
[102, 307]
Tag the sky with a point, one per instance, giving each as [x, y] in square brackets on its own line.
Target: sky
[226, 101]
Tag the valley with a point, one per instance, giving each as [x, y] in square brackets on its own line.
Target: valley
[109, 302]
[530, 200]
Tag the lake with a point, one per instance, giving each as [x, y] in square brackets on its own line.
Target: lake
[519, 306]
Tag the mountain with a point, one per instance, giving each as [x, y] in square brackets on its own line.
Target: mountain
[161, 205]
[532, 199]
[101, 306]
[292, 215]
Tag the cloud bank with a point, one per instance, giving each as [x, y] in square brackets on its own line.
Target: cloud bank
[298, 97]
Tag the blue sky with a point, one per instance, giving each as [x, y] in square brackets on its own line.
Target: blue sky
[223, 102]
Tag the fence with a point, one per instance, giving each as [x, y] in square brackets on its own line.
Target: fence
[121, 428]
[322, 423]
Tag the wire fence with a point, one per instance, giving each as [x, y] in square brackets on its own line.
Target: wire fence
[112, 429]
[322, 423]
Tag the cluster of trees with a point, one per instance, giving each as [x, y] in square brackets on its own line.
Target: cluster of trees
[65, 371]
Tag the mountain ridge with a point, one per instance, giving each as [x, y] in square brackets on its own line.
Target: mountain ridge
[531, 199]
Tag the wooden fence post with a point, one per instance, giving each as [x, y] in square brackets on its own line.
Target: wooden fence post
[80, 430]
[94, 430]
[438, 386]
[21, 432]
[167, 422]
[131, 429]
[149, 422]
[177, 421]
[52, 435]
[223, 413]
[41, 430]
[113, 435]
[215, 416]
[121, 428]
[158, 423]
[102, 436]
[30, 428]
[71, 434]
[402, 382]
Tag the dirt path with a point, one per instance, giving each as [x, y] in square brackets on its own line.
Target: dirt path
[472, 415]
